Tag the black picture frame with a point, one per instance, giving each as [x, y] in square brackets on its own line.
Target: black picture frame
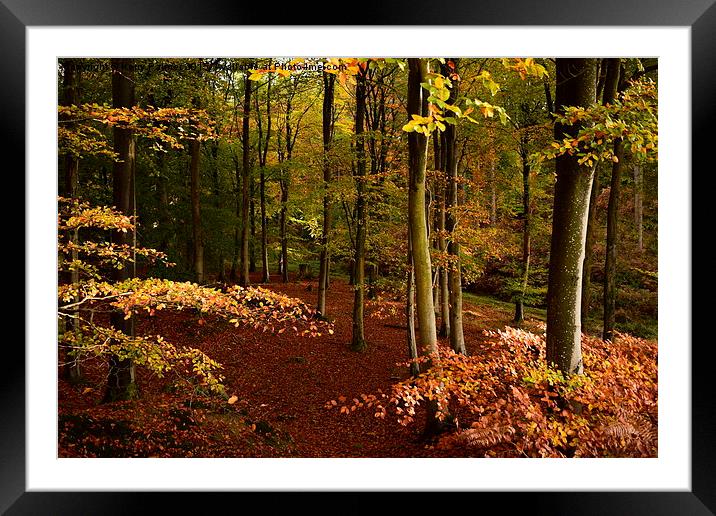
[700, 15]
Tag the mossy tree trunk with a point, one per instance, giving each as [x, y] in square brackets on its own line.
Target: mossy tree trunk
[417, 156]
[576, 86]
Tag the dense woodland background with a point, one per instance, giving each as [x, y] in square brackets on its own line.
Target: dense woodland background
[321, 226]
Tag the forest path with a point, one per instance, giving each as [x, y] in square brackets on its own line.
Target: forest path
[290, 378]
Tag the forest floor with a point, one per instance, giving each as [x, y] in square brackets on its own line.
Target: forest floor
[282, 384]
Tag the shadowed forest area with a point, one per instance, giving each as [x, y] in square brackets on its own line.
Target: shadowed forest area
[357, 257]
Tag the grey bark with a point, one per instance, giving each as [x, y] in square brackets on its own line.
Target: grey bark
[417, 156]
[576, 86]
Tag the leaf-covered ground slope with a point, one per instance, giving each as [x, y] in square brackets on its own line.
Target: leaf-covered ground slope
[278, 386]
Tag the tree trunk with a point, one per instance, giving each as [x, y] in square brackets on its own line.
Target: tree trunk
[120, 379]
[441, 191]
[638, 206]
[457, 338]
[197, 237]
[236, 258]
[245, 177]
[611, 87]
[324, 272]
[282, 229]
[589, 250]
[417, 156]
[606, 90]
[265, 274]
[576, 86]
[410, 313]
[252, 217]
[519, 305]
[217, 202]
[358, 342]
[610, 263]
[73, 370]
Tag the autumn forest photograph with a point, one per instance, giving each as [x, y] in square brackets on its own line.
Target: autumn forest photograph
[357, 257]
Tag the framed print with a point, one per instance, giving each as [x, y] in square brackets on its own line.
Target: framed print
[42, 472]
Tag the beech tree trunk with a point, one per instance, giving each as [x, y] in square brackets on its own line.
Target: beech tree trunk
[120, 379]
[197, 237]
[358, 342]
[236, 258]
[324, 271]
[263, 154]
[217, 202]
[283, 229]
[589, 249]
[442, 293]
[610, 263]
[615, 74]
[245, 177]
[73, 370]
[576, 86]
[607, 87]
[252, 218]
[410, 313]
[457, 339]
[417, 156]
[526, 229]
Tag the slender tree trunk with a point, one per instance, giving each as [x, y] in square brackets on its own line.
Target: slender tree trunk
[442, 189]
[197, 237]
[324, 272]
[589, 249]
[252, 217]
[638, 205]
[263, 147]
[283, 229]
[417, 156]
[217, 202]
[457, 338]
[606, 91]
[265, 274]
[73, 371]
[236, 258]
[120, 379]
[526, 229]
[614, 75]
[245, 177]
[358, 342]
[163, 203]
[410, 313]
[610, 263]
[576, 86]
